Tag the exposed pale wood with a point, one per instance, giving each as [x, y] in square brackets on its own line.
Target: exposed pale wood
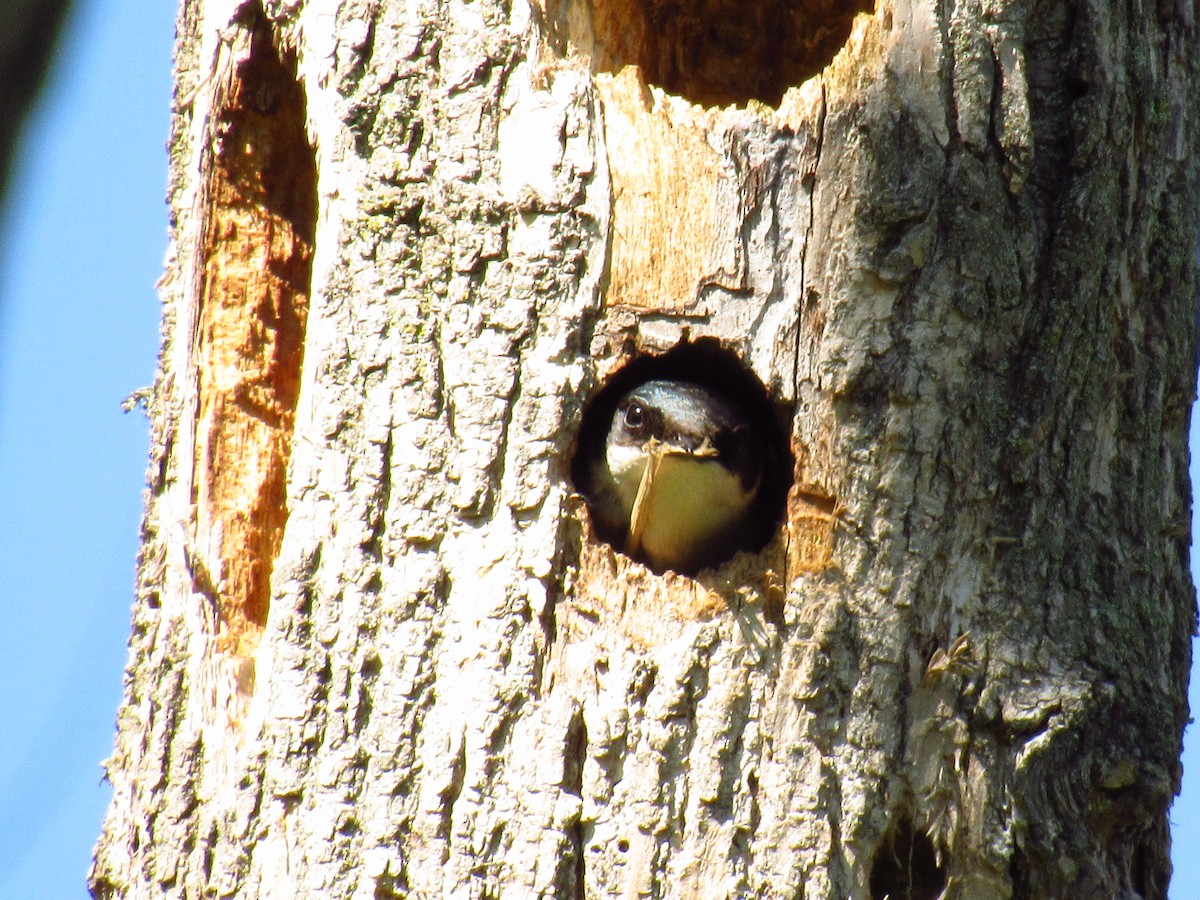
[664, 184]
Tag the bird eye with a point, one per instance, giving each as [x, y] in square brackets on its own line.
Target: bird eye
[635, 416]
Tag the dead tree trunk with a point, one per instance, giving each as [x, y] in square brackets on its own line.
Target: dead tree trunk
[945, 250]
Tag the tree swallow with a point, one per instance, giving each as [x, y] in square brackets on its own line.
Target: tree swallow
[678, 477]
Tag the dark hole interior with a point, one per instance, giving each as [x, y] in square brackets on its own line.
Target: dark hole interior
[706, 363]
[906, 866]
[718, 52]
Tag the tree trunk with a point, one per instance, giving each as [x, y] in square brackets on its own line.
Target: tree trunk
[379, 648]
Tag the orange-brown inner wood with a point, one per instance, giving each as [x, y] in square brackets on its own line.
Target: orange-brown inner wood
[258, 246]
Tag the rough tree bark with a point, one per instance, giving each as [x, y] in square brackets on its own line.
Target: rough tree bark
[377, 649]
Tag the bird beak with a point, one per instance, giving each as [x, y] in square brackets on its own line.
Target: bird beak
[705, 451]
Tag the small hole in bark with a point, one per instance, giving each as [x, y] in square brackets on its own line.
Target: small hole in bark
[671, 399]
[906, 866]
[712, 52]
[623, 846]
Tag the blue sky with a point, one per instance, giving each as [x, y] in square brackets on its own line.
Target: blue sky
[82, 238]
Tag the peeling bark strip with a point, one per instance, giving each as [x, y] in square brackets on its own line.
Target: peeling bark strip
[258, 245]
[959, 265]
